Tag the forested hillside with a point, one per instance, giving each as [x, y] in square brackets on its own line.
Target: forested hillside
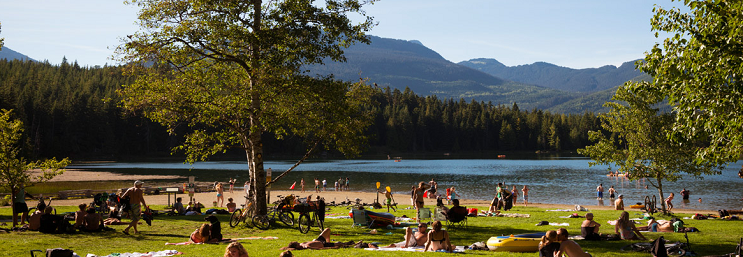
[556, 77]
[403, 64]
[63, 109]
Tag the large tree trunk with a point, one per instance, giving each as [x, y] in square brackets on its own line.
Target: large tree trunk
[256, 143]
[660, 191]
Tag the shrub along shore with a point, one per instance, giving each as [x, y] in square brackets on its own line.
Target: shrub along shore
[715, 237]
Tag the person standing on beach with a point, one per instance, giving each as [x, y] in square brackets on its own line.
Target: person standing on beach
[20, 206]
[136, 196]
[418, 193]
[324, 185]
[612, 191]
[232, 184]
[600, 192]
[301, 183]
[346, 183]
[514, 195]
[669, 204]
[220, 194]
[317, 185]
[525, 192]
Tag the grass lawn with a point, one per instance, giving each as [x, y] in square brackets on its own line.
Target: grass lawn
[716, 237]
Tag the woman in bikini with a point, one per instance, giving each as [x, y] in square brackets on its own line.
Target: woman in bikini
[418, 194]
[438, 239]
[220, 194]
[626, 228]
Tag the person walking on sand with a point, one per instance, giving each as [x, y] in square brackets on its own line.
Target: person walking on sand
[220, 194]
[301, 183]
[525, 192]
[600, 192]
[324, 185]
[669, 204]
[136, 196]
[317, 185]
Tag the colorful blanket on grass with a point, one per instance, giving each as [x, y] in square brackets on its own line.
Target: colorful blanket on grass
[229, 240]
[136, 254]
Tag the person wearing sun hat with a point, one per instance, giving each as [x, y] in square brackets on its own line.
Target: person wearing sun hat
[136, 196]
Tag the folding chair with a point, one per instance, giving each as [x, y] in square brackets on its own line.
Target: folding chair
[438, 215]
[425, 213]
[359, 218]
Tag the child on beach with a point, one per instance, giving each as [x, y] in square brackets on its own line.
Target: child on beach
[668, 202]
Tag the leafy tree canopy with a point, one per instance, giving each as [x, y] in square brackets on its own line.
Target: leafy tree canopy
[635, 140]
[15, 170]
[231, 70]
[698, 69]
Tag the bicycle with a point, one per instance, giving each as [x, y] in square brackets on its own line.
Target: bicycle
[41, 202]
[308, 216]
[242, 216]
[674, 249]
[277, 213]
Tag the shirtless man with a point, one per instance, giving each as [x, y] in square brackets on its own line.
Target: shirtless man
[317, 185]
[600, 192]
[413, 238]
[590, 228]
[612, 192]
[93, 221]
[136, 196]
[569, 247]
[525, 194]
[619, 203]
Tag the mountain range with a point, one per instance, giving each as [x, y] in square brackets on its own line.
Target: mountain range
[401, 64]
[409, 64]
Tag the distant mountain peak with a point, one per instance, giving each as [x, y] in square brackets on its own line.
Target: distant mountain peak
[9, 54]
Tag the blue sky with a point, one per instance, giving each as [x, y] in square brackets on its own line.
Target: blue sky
[570, 33]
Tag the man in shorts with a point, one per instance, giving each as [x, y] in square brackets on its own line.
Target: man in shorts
[19, 205]
[600, 192]
[413, 237]
[136, 196]
[388, 195]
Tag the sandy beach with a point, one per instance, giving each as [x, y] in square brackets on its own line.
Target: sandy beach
[208, 198]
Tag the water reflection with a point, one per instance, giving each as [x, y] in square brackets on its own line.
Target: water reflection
[550, 181]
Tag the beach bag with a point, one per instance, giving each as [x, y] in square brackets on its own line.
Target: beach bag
[659, 248]
[56, 252]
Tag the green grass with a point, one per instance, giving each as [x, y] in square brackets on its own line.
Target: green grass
[716, 236]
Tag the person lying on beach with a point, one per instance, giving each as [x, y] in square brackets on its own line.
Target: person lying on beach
[413, 237]
[569, 247]
[321, 242]
[438, 239]
[657, 226]
[626, 228]
[589, 228]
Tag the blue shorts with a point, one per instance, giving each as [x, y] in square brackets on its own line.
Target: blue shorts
[600, 194]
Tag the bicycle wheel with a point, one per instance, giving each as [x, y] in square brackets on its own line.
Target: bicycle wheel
[287, 218]
[261, 222]
[676, 251]
[304, 223]
[319, 222]
[236, 218]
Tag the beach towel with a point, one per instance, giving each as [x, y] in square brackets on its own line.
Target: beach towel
[229, 240]
[513, 215]
[136, 254]
[561, 210]
[457, 249]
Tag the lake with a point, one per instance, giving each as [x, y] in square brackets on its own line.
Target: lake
[556, 180]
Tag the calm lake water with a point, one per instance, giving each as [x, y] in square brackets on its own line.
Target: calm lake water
[557, 180]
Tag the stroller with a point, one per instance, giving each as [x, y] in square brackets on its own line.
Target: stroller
[100, 203]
